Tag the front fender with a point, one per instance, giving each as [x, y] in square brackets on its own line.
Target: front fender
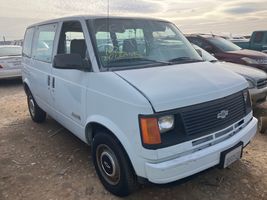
[110, 125]
[118, 133]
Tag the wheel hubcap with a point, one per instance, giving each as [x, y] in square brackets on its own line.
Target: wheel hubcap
[31, 106]
[108, 164]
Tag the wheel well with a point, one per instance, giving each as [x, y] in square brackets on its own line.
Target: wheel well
[26, 88]
[91, 130]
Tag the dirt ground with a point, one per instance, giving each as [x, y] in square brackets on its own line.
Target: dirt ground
[45, 161]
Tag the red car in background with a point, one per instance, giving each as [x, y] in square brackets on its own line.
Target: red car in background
[227, 51]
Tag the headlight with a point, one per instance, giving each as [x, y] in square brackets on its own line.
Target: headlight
[249, 60]
[245, 95]
[152, 127]
[250, 84]
[166, 123]
[247, 100]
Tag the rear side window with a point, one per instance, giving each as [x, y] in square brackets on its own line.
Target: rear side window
[44, 42]
[27, 44]
[258, 37]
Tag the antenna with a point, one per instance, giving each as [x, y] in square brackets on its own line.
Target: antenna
[108, 8]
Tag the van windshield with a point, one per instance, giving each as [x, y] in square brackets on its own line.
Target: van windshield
[134, 43]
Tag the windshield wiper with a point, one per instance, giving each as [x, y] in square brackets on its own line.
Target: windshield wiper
[184, 60]
[137, 59]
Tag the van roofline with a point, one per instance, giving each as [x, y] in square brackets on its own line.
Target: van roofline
[88, 17]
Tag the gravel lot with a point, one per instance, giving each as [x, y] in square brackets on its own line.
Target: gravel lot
[47, 162]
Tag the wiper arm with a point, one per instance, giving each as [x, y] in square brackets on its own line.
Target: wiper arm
[184, 59]
[138, 59]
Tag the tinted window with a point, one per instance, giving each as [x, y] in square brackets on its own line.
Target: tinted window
[72, 39]
[258, 37]
[27, 44]
[10, 51]
[223, 44]
[43, 43]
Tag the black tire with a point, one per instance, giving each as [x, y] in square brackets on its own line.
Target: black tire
[37, 114]
[118, 175]
[262, 124]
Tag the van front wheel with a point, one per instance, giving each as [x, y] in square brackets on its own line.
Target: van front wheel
[112, 165]
[37, 114]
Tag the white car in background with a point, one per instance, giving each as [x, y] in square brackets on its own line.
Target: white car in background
[10, 61]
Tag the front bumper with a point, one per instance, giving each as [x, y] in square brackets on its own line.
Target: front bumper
[258, 95]
[184, 166]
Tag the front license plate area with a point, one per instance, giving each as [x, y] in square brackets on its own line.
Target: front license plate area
[231, 155]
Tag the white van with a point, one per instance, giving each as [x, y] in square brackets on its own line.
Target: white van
[137, 91]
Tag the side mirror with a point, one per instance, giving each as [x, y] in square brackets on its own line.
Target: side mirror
[69, 61]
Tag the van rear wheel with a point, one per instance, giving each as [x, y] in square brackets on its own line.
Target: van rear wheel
[37, 114]
[112, 165]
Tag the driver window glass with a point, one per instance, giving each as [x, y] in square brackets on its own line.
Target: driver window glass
[72, 40]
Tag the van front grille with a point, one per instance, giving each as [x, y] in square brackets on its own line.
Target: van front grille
[208, 117]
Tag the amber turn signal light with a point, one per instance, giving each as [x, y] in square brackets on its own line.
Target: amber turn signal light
[150, 131]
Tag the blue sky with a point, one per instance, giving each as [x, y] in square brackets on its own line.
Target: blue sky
[191, 16]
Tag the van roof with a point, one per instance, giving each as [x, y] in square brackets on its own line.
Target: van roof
[86, 17]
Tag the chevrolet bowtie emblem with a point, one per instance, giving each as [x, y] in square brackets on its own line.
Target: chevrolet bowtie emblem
[223, 114]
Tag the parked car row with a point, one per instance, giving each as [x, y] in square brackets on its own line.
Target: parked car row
[227, 51]
[137, 91]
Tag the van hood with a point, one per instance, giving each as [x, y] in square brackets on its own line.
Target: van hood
[246, 71]
[175, 86]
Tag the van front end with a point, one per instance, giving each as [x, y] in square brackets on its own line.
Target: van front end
[209, 134]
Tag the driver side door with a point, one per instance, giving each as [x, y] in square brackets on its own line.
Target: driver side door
[69, 85]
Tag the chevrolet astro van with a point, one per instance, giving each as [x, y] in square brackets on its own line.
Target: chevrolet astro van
[138, 92]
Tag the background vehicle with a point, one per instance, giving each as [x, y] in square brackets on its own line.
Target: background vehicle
[139, 93]
[10, 61]
[227, 51]
[256, 78]
[258, 42]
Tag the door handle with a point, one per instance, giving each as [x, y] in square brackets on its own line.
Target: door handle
[53, 82]
[48, 80]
